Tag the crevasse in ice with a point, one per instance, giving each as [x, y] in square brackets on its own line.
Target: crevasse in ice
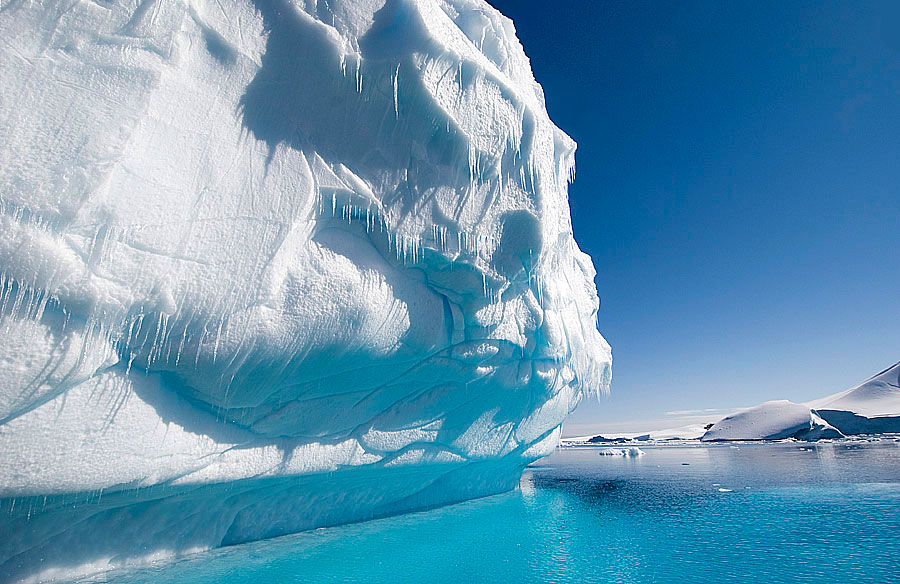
[268, 265]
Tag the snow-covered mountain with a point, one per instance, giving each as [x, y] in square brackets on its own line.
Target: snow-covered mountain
[267, 265]
[872, 407]
[772, 420]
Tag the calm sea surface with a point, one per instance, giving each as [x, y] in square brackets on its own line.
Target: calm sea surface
[760, 513]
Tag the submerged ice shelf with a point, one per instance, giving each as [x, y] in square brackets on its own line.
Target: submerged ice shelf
[268, 265]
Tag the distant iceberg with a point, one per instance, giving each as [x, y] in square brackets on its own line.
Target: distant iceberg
[872, 407]
[269, 265]
[774, 420]
[629, 452]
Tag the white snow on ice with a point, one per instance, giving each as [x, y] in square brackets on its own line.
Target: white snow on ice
[772, 420]
[872, 407]
[267, 265]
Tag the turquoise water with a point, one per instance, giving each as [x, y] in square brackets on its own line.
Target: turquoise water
[753, 513]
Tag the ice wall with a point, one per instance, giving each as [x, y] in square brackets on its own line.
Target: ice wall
[267, 265]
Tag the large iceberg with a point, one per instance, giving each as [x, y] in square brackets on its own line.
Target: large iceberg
[269, 265]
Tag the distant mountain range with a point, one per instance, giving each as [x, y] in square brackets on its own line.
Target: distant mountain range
[872, 407]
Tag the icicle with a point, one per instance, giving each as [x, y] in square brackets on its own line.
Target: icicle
[131, 357]
[395, 81]
[42, 305]
[131, 331]
[200, 344]
[17, 303]
[218, 338]
[156, 340]
[5, 289]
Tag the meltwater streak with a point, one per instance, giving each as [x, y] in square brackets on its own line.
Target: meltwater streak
[753, 513]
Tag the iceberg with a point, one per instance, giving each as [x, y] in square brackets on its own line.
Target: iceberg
[271, 265]
[872, 407]
[631, 452]
[773, 420]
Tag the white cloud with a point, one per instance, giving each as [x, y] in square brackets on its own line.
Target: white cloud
[699, 412]
[673, 419]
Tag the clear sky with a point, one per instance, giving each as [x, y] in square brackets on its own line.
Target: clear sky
[738, 187]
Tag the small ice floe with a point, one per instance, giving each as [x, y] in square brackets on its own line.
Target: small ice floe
[721, 490]
[628, 452]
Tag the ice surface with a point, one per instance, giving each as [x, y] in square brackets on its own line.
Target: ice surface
[267, 265]
[772, 420]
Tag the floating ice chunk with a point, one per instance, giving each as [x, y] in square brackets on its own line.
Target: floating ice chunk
[630, 452]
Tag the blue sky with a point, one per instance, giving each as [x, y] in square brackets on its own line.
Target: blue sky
[738, 187]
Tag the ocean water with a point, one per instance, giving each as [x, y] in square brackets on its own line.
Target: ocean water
[789, 512]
